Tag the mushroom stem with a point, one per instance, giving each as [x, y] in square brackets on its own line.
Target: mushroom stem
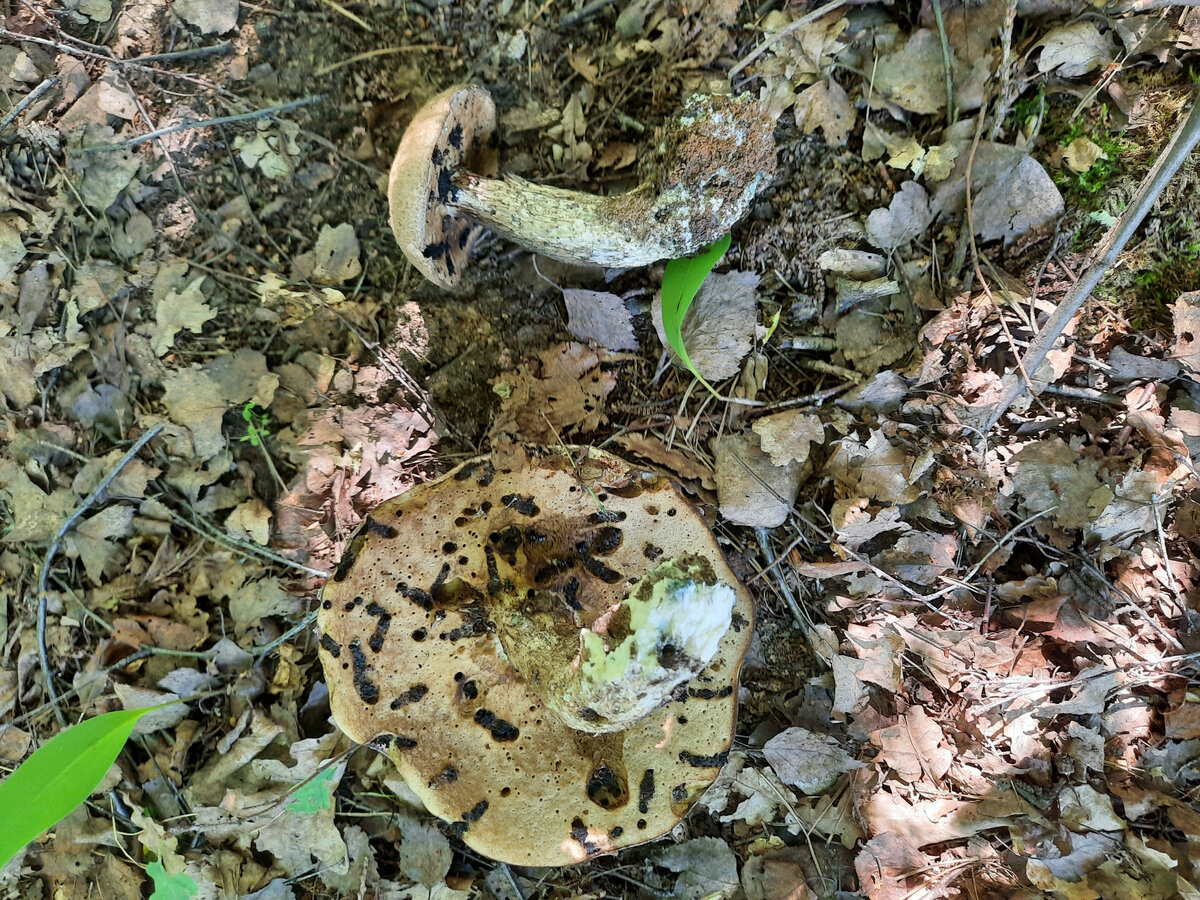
[625, 230]
[701, 179]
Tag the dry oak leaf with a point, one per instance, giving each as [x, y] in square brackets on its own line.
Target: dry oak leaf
[928, 822]
[176, 311]
[788, 436]
[883, 866]
[1049, 475]
[825, 105]
[1075, 49]
[915, 748]
[811, 762]
[876, 469]
[1186, 311]
[563, 389]
[678, 463]
[913, 76]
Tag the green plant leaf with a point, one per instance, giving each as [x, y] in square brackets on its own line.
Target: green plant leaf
[681, 279]
[59, 776]
[316, 794]
[171, 887]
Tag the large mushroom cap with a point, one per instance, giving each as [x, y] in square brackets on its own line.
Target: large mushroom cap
[455, 130]
[413, 628]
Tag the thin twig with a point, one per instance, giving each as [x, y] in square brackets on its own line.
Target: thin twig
[784, 32]
[949, 69]
[176, 55]
[28, 101]
[1184, 140]
[205, 123]
[383, 51]
[52, 551]
[570, 20]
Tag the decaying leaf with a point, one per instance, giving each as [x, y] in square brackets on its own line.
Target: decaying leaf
[916, 748]
[563, 390]
[913, 76]
[707, 867]
[811, 762]
[1075, 49]
[787, 436]
[599, 316]
[905, 218]
[752, 490]
[720, 325]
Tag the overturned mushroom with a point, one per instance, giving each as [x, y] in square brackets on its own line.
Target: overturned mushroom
[549, 655]
[702, 177]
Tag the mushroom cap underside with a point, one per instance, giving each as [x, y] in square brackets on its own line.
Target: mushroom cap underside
[455, 130]
[415, 667]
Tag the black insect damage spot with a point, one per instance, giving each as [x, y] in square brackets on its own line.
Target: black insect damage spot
[326, 604]
[571, 593]
[704, 762]
[379, 528]
[616, 831]
[652, 552]
[470, 691]
[646, 791]
[420, 634]
[607, 789]
[455, 137]
[579, 834]
[413, 695]
[382, 741]
[349, 556]
[475, 813]
[710, 694]
[422, 598]
[445, 184]
[641, 823]
[679, 693]
[332, 647]
[738, 621]
[368, 691]
[375, 641]
[448, 775]
[449, 547]
[606, 540]
[493, 582]
[507, 542]
[679, 792]
[605, 516]
[502, 731]
[597, 568]
[524, 505]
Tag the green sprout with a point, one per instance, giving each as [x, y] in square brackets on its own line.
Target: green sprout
[681, 280]
[257, 425]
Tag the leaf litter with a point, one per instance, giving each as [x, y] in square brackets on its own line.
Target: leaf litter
[974, 671]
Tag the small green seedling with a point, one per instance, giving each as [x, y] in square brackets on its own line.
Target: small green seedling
[681, 280]
[257, 425]
[59, 776]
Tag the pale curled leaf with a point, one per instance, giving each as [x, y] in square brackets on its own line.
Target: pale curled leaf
[811, 762]
[599, 316]
[425, 854]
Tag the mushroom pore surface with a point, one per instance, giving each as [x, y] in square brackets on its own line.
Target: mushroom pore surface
[548, 560]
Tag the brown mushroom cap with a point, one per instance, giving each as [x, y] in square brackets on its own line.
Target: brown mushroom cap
[415, 667]
[455, 130]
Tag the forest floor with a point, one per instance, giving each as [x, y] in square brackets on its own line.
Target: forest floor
[976, 664]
